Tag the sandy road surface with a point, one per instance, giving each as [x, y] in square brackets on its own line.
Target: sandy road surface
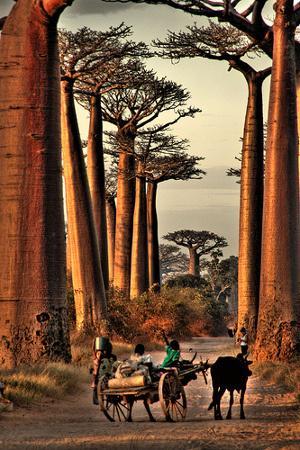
[273, 420]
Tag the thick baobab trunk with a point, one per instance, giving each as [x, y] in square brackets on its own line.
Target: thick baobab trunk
[139, 254]
[88, 285]
[251, 204]
[152, 233]
[279, 290]
[96, 177]
[124, 220]
[33, 316]
[111, 232]
[194, 262]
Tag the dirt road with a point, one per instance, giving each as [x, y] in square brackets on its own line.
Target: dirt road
[74, 423]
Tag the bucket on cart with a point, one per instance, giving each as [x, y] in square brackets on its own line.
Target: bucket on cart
[101, 343]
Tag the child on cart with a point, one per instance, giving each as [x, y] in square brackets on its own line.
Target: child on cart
[173, 352]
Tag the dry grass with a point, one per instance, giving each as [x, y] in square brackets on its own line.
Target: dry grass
[26, 384]
[284, 375]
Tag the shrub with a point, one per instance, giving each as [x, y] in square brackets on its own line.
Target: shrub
[180, 312]
[188, 280]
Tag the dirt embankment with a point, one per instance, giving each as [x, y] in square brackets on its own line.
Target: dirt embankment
[273, 420]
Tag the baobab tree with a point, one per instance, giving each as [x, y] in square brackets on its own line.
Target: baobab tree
[156, 154]
[81, 52]
[198, 243]
[173, 166]
[33, 316]
[110, 204]
[279, 308]
[226, 43]
[106, 70]
[131, 109]
[222, 274]
[172, 261]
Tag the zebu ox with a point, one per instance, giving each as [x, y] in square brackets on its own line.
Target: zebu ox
[230, 373]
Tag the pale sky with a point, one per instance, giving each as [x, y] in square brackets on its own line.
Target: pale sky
[211, 203]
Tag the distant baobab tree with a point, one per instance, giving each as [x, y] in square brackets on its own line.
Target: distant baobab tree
[131, 109]
[159, 156]
[172, 261]
[198, 243]
[226, 43]
[33, 316]
[110, 204]
[173, 166]
[222, 274]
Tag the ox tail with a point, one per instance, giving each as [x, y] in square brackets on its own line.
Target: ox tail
[211, 406]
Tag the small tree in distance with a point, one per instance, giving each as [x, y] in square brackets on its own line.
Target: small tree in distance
[199, 243]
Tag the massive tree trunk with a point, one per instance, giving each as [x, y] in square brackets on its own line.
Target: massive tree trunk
[139, 255]
[96, 177]
[33, 317]
[194, 262]
[124, 219]
[251, 204]
[111, 233]
[89, 291]
[279, 290]
[152, 233]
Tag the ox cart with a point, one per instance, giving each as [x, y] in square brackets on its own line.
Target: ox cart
[167, 388]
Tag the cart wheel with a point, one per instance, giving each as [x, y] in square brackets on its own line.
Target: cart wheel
[116, 408]
[172, 397]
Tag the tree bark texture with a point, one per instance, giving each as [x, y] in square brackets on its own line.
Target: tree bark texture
[194, 262]
[152, 233]
[111, 232]
[96, 177]
[279, 286]
[88, 285]
[124, 221]
[33, 316]
[139, 254]
[251, 204]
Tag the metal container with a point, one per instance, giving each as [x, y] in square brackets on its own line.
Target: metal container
[133, 381]
[101, 343]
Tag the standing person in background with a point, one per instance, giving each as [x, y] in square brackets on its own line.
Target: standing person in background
[243, 341]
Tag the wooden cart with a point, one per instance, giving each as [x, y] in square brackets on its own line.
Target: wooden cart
[117, 404]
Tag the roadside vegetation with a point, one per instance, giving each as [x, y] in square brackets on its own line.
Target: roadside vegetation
[26, 385]
[285, 375]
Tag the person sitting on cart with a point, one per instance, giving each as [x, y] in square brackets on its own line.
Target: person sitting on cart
[137, 364]
[102, 364]
[139, 355]
[173, 353]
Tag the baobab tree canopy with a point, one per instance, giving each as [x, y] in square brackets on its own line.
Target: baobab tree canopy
[199, 243]
[203, 242]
